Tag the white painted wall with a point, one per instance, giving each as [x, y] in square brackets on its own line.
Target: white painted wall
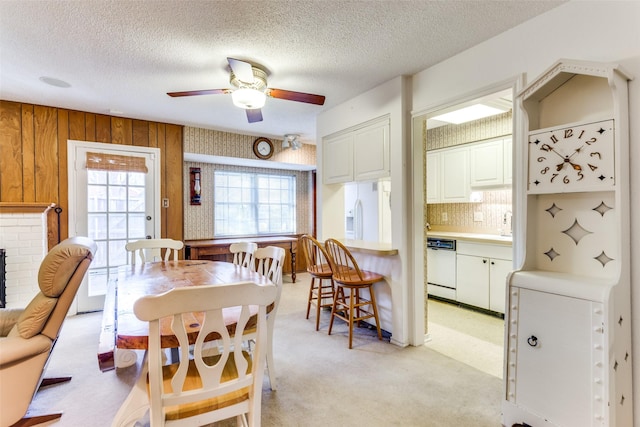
[391, 98]
[603, 31]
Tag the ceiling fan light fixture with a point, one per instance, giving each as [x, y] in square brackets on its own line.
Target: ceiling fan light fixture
[248, 98]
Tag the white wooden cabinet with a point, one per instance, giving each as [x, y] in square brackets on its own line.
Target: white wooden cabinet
[371, 152]
[568, 349]
[454, 175]
[507, 151]
[433, 177]
[358, 154]
[490, 163]
[486, 162]
[337, 164]
[481, 274]
[559, 342]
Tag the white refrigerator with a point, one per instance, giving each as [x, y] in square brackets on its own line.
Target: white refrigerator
[368, 210]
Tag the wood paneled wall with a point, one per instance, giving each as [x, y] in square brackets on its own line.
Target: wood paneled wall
[33, 155]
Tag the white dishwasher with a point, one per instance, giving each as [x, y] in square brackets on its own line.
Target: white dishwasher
[441, 268]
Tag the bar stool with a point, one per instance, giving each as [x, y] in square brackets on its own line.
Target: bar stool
[320, 291]
[347, 275]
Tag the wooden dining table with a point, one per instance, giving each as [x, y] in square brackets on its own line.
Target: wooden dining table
[121, 329]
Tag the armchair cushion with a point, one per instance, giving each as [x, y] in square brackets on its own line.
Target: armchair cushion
[34, 317]
[17, 349]
[8, 319]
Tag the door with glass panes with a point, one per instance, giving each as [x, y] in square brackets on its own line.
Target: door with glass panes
[113, 198]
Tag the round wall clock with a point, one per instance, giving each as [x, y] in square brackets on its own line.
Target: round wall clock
[263, 148]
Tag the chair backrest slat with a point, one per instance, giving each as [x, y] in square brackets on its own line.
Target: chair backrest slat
[150, 250]
[203, 379]
[314, 252]
[343, 265]
[243, 253]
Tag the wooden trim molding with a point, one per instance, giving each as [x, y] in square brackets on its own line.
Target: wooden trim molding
[19, 207]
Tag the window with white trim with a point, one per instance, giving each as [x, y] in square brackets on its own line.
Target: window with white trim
[254, 203]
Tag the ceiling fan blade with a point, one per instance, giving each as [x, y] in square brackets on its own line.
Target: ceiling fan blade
[241, 69]
[199, 92]
[254, 115]
[309, 98]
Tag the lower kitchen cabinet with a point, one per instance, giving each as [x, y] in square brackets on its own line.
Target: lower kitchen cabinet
[481, 275]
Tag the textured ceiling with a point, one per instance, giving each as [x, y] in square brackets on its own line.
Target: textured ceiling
[122, 57]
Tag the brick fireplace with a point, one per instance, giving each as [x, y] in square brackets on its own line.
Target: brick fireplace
[25, 236]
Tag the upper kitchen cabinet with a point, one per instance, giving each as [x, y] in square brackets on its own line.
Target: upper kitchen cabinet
[490, 163]
[448, 175]
[357, 154]
[337, 163]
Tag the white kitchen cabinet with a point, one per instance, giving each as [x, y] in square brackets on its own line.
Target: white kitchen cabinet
[455, 175]
[499, 269]
[472, 285]
[490, 163]
[357, 154]
[337, 155]
[508, 161]
[481, 274]
[433, 177]
[371, 152]
[486, 164]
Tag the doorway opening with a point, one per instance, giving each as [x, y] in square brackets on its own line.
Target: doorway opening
[468, 194]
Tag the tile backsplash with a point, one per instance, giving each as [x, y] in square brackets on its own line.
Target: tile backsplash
[460, 216]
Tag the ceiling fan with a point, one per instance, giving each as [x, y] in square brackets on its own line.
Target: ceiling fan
[250, 90]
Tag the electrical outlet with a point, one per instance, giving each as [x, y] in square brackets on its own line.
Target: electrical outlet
[445, 217]
[478, 216]
[165, 203]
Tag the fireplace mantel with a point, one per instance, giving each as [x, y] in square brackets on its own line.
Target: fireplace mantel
[48, 209]
[25, 207]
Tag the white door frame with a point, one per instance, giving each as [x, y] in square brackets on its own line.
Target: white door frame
[74, 163]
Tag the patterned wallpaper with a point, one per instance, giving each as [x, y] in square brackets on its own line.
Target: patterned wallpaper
[495, 202]
[198, 220]
[477, 130]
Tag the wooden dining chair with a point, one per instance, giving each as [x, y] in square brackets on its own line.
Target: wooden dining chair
[202, 389]
[269, 262]
[352, 308]
[149, 250]
[321, 289]
[243, 253]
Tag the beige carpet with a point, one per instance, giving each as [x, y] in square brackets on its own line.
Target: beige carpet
[321, 381]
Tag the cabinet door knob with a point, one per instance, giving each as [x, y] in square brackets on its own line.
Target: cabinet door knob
[532, 341]
[484, 261]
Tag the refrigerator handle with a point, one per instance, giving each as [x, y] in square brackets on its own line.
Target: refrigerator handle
[357, 218]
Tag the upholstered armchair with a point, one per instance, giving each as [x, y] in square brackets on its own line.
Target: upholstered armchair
[27, 336]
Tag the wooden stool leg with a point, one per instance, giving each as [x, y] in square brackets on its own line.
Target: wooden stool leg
[310, 295]
[336, 296]
[374, 306]
[353, 295]
[318, 303]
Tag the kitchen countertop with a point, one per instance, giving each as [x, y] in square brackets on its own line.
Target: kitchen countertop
[371, 248]
[472, 237]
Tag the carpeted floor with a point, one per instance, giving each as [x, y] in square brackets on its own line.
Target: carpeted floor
[320, 381]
